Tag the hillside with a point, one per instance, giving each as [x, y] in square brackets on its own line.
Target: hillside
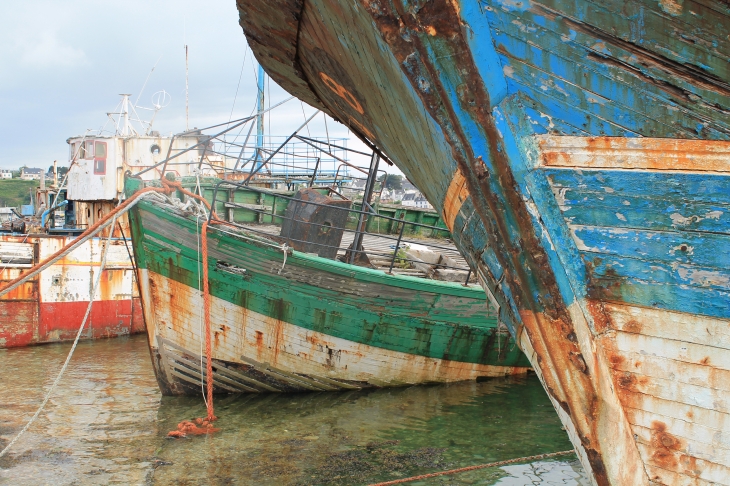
[14, 192]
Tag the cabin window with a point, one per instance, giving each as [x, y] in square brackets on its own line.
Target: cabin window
[155, 149]
[89, 152]
[81, 150]
[99, 166]
[100, 150]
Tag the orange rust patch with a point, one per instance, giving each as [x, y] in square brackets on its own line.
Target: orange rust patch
[664, 445]
[601, 318]
[259, 340]
[635, 153]
[705, 360]
[615, 359]
[456, 194]
[633, 326]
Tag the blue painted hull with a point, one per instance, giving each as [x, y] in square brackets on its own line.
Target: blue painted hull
[578, 153]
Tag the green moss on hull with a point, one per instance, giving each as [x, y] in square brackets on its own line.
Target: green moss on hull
[404, 314]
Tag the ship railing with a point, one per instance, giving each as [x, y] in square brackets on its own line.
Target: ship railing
[397, 232]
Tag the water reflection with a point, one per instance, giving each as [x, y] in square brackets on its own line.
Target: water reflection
[107, 423]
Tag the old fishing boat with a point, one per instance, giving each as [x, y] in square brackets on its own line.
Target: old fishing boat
[50, 307]
[308, 290]
[579, 153]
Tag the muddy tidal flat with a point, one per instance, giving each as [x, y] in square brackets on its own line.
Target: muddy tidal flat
[107, 422]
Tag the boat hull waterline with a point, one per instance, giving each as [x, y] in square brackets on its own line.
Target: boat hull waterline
[285, 321]
[556, 140]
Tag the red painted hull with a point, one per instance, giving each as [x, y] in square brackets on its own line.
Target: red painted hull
[23, 323]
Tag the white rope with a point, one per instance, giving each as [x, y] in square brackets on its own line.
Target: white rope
[73, 348]
[285, 249]
[201, 309]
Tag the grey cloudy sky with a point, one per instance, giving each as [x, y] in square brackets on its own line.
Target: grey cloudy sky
[64, 63]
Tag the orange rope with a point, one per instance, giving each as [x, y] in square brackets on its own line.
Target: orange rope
[200, 426]
[206, 310]
[472, 468]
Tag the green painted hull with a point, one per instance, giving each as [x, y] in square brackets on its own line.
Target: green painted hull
[397, 315]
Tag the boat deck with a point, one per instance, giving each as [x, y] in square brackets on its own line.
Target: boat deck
[380, 248]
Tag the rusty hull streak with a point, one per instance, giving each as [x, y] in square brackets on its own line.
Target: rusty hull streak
[634, 153]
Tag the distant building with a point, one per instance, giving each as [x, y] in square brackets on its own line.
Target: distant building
[29, 174]
[415, 199]
[391, 196]
[6, 214]
[6, 174]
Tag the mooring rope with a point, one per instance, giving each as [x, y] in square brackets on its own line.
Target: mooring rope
[206, 313]
[472, 468]
[76, 341]
[200, 426]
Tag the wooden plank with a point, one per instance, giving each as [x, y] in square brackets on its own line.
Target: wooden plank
[684, 464]
[681, 247]
[674, 349]
[682, 372]
[220, 374]
[697, 396]
[583, 65]
[709, 419]
[639, 153]
[669, 325]
[704, 302]
[594, 208]
[613, 267]
[693, 440]
[663, 476]
[681, 187]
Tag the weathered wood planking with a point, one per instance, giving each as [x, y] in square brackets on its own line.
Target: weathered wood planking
[242, 334]
[384, 330]
[545, 220]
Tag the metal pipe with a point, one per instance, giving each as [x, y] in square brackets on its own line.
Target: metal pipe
[50, 210]
[362, 221]
[260, 119]
[314, 175]
[397, 245]
[468, 276]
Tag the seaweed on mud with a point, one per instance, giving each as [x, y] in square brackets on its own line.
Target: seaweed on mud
[373, 460]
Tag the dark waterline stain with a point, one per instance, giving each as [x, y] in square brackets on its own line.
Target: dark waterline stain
[107, 422]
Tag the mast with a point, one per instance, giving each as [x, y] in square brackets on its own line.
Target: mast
[187, 124]
[260, 118]
[125, 115]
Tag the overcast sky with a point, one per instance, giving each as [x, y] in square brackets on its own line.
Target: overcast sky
[64, 64]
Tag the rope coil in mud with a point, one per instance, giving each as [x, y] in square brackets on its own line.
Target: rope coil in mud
[473, 468]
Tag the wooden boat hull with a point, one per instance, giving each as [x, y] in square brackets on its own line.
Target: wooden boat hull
[606, 255]
[286, 321]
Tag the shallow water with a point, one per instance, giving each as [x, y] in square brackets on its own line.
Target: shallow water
[107, 424]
